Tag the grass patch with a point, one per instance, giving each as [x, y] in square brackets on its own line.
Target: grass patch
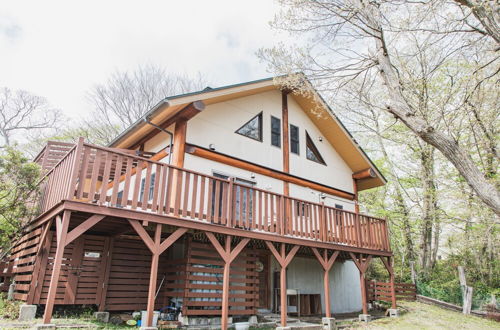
[423, 316]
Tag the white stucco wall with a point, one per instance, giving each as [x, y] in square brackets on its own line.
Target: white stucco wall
[218, 122]
[306, 274]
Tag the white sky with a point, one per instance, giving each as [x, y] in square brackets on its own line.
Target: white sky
[60, 49]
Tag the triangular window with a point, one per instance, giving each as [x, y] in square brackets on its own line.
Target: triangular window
[312, 152]
[252, 128]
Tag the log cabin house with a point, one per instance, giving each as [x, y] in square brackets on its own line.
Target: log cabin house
[222, 200]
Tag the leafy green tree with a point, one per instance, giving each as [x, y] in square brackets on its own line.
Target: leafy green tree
[18, 194]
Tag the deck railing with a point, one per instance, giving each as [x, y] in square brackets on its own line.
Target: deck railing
[103, 176]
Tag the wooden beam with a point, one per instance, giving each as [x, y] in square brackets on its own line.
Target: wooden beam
[83, 227]
[364, 174]
[171, 239]
[56, 269]
[185, 114]
[232, 161]
[178, 153]
[143, 235]
[286, 136]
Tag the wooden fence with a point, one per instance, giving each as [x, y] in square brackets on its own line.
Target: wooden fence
[382, 291]
[102, 176]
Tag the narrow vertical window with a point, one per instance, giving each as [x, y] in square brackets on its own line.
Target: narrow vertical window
[252, 128]
[275, 132]
[312, 152]
[294, 139]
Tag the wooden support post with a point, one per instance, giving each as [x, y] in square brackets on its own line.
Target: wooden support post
[38, 262]
[62, 230]
[157, 247]
[284, 260]
[228, 256]
[388, 265]
[362, 264]
[327, 264]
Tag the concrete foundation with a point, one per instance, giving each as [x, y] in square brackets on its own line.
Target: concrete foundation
[45, 326]
[27, 312]
[329, 323]
[283, 328]
[365, 317]
[102, 316]
[393, 312]
[148, 328]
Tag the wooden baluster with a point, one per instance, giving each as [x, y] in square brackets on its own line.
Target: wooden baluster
[230, 203]
[209, 205]
[170, 188]
[116, 180]
[179, 177]
[187, 187]
[266, 213]
[147, 185]
[254, 208]
[137, 184]
[95, 174]
[260, 211]
[217, 201]
[83, 173]
[247, 208]
[201, 212]
[224, 202]
[105, 178]
[126, 185]
[156, 188]
[194, 197]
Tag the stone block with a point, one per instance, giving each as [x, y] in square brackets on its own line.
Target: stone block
[102, 316]
[329, 323]
[148, 328]
[393, 312]
[45, 326]
[283, 328]
[253, 320]
[365, 317]
[27, 312]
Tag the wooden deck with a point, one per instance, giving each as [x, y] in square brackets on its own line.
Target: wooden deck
[123, 183]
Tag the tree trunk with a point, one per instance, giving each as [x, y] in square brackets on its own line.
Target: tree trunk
[486, 12]
[398, 106]
[429, 207]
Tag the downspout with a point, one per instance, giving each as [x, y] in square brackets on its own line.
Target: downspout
[146, 120]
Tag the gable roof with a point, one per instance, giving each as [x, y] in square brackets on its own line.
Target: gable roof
[314, 106]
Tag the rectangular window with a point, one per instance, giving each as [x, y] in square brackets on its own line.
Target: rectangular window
[294, 139]
[151, 187]
[275, 132]
[338, 206]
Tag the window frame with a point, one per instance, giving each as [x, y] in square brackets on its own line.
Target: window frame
[273, 132]
[311, 146]
[261, 123]
[292, 140]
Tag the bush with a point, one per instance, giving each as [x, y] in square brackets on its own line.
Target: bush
[9, 309]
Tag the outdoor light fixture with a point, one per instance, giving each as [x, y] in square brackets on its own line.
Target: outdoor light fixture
[211, 146]
[320, 139]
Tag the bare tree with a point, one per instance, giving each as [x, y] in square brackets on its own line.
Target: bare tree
[352, 39]
[127, 96]
[21, 111]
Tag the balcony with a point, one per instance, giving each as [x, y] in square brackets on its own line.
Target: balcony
[120, 179]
